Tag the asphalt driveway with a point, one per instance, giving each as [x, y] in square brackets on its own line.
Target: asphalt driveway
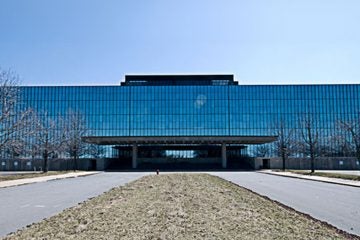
[336, 204]
[23, 205]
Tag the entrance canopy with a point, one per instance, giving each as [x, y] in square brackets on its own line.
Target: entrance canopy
[113, 140]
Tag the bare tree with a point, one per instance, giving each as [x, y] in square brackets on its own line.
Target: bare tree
[341, 141]
[285, 144]
[262, 150]
[47, 140]
[75, 128]
[310, 137]
[96, 151]
[15, 122]
[352, 128]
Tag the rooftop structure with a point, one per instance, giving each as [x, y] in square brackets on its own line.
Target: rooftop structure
[179, 80]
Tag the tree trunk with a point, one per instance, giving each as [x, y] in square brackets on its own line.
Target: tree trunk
[312, 158]
[75, 162]
[283, 160]
[358, 156]
[45, 163]
[312, 165]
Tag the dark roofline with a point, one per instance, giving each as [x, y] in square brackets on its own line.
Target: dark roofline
[114, 140]
[168, 80]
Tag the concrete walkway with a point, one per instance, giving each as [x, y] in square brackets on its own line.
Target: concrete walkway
[345, 182]
[18, 182]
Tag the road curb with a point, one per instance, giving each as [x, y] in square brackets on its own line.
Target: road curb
[316, 180]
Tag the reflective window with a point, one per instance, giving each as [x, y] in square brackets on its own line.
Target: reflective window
[215, 110]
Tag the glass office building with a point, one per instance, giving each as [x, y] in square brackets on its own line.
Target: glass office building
[194, 116]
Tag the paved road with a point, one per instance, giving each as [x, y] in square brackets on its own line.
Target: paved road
[23, 205]
[336, 204]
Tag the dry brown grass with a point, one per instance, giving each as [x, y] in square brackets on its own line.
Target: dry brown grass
[179, 206]
[8, 177]
[328, 174]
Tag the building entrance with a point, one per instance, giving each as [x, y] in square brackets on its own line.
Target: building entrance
[180, 157]
[179, 151]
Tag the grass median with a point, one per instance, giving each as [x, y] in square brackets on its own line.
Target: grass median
[179, 206]
[8, 177]
[328, 174]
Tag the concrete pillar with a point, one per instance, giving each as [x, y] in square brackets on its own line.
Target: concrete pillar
[101, 164]
[223, 155]
[134, 155]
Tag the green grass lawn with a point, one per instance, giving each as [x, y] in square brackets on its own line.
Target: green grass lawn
[179, 206]
[326, 174]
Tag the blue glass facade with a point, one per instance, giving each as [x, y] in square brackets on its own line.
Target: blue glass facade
[185, 110]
